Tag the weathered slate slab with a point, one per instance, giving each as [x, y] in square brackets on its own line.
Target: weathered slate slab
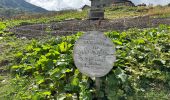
[94, 54]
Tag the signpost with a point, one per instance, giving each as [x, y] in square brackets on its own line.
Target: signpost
[94, 55]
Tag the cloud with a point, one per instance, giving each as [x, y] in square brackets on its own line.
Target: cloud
[75, 4]
[154, 2]
[59, 4]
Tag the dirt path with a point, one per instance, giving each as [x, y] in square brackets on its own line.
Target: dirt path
[74, 26]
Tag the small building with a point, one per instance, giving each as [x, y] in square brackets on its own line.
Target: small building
[107, 3]
[85, 7]
[168, 5]
[142, 5]
[122, 3]
[100, 3]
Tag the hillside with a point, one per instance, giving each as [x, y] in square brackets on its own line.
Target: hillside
[37, 61]
[20, 4]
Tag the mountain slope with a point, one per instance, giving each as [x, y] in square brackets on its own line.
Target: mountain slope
[20, 4]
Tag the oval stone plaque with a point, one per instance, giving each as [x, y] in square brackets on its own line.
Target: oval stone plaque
[94, 54]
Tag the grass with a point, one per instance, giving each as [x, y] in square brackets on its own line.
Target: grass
[160, 11]
[121, 12]
[9, 45]
[110, 13]
[8, 85]
[5, 87]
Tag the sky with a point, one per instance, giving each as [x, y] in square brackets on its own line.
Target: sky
[75, 4]
[59, 4]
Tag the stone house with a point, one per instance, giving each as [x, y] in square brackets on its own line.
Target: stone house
[85, 7]
[107, 3]
[100, 3]
[122, 3]
[143, 5]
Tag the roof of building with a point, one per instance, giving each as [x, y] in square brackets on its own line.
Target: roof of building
[85, 6]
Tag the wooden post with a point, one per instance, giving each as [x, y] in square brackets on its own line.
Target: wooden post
[97, 84]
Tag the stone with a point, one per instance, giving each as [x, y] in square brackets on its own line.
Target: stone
[96, 14]
[96, 11]
[94, 54]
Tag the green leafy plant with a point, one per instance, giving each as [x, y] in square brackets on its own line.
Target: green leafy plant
[2, 27]
[140, 71]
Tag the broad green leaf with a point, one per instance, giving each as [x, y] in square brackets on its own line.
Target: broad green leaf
[66, 70]
[46, 93]
[16, 67]
[39, 79]
[2, 26]
[63, 47]
[75, 81]
[117, 42]
[54, 71]
[46, 47]
[37, 49]
[140, 41]
[28, 68]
